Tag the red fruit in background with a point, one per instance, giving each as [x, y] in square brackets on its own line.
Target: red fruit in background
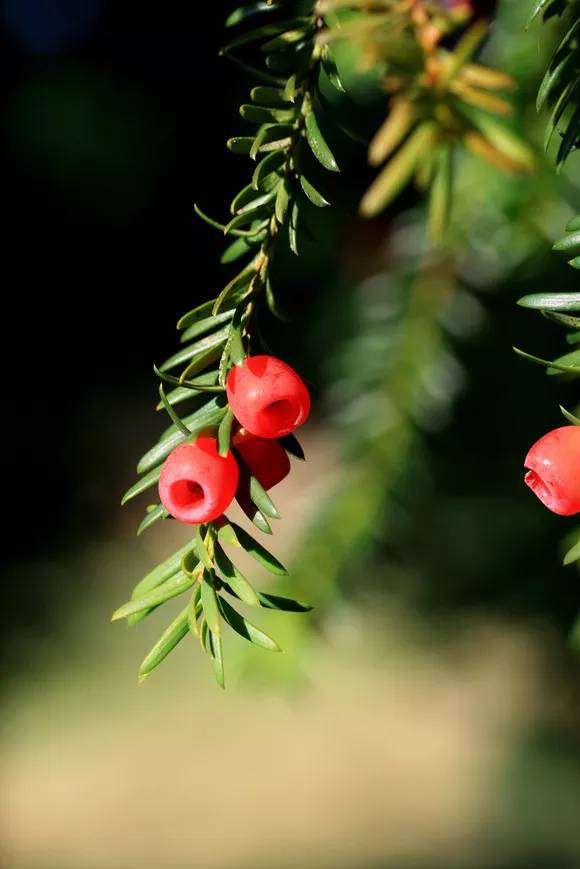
[554, 475]
[267, 397]
[196, 483]
[266, 459]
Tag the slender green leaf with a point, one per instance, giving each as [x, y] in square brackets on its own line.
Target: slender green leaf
[200, 363]
[250, 234]
[293, 228]
[225, 432]
[569, 416]
[254, 71]
[194, 609]
[318, 143]
[266, 167]
[244, 280]
[201, 312]
[203, 633]
[262, 500]
[258, 215]
[276, 145]
[282, 202]
[284, 604]
[240, 144]
[552, 76]
[171, 588]
[258, 202]
[138, 617]
[206, 382]
[292, 446]
[236, 347]
[158, 512]
[209, 603]
[247, 199]
[287, 39]
[209, 323]
[146, 482]
[272, 303]
[201, 548]
[568, 243]
[256, 517]
[259, 33]
[251, 10]
[236, 580]
[556, 366]
[274, 601]
[565, 320]
[208, 415]
[538, 7]
[573, 554]
[244, 497]
[272, 137]
[199, 348]
[257, 551]
[227, 535]
[165, 644]
[217, 659]
[570, 362]
[245, 628]
[566, 98]
[551, 301]
[162, 572]
[240, 247]
[290, 88]
[190, 563]
[312, 193]
[176, 420]
[264, 115]
[269, 96]
[331, 70]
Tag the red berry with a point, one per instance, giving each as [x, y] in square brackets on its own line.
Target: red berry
[554, 474]
[196, 483]
[267, 397]
[266, 459]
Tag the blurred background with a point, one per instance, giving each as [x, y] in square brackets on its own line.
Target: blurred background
[426, 714]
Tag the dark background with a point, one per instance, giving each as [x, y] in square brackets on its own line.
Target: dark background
[100, 253]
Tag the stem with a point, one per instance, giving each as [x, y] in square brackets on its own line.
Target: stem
[266, 254]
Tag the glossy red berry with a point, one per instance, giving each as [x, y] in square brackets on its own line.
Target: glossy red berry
[554, 475]
[266, 459]
[268, 397]
[196, 483]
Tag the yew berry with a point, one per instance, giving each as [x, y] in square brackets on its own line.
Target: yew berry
[267, 460]
[196, 483]
[267, 397]
[554, 475]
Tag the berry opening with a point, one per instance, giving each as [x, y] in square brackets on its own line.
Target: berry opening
[187, 494]
[281, 414]
[539, 487]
